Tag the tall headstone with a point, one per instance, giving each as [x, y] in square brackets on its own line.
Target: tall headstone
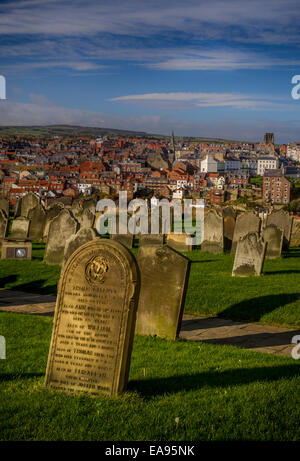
[273, 237]
[295, 235]
[179, 242]
[81, 237]
[20, 227]
[51, 213]
[85, 218]
[213, 241]
[37, 218]
[61, 228]
[3, 224]
[89, 204]
[4, 206]
[29, 201]
[94, 320]
[164, 279]
[246, 222]
[284, 221]
[229, 215]
[249, 256]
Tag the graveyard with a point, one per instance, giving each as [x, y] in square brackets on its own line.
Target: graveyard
[145, 337]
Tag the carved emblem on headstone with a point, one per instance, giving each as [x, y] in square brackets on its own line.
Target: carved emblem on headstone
[96, 269]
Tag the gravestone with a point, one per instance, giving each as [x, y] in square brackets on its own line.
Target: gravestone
[229, 215]
[4, 206]
[17, 208]
[179, 242]
[29, 201]
[61, 228]
[245, 223]
[51, 213]
[94, 320]
[125, 239]
[37, 218]
[295, 235]
[284, 221]
[16, 248]
[89, 204]
[249, 256]
[20, 227]
[81, 237]
[151, 239]
[3, 224]
[273, 237]
[164, 279]
[85, 218]
[213, 241]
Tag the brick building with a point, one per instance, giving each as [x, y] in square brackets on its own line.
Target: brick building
[276, 188]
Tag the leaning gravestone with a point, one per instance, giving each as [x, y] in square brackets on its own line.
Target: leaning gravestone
[81, 237]
[249, 256]
[51, 213]
[85, 218]
[37, 218]
[3, 224]
[20, 227]
[94, 320]
[179, 242]
[229, 215]
[246, 222]
[4, 206]
[29, 201]
[61, 228]
[213, 241]
[89, 204]
[273, 237]
[151, 239]
[284, 221]
[164, 279]
[295, 235]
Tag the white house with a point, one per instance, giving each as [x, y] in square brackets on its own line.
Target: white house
[266, 163]
[209, 165]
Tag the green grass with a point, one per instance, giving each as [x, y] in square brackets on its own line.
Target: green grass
[217, 392]
[272, 298]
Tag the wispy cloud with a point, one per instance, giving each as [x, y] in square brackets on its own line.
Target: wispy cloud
[236, 100]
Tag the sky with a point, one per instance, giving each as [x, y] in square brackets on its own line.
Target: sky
[212, 68]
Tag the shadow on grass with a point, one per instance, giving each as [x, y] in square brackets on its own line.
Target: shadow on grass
[13, 376]
[289, 271]
[9, 279]
[254, 309]
[205, 261]
[183, 383]
[37, 286]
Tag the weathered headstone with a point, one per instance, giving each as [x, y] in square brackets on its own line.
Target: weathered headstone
[249, 256]
[295, 235]
[94, 320]
[89, 204]
[151, 239]
[29, 201]
[51, 213]
[81, 237]
[229, 215]
[61, 228]
[246, 222]
[213, 241]
[3, 224]
[4, 206]
[125, 239]
[284, 221]
[16, 248]
[164, 279]
[85, 218]
[20, 227]
[273, 237]
[37, 218]
[17, 208]
[179, 242]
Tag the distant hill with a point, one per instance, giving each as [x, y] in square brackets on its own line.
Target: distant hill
[74, 130]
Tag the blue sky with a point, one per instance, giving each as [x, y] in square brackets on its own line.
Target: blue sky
[200, 68]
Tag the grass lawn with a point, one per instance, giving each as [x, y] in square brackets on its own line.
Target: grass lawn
[273, 298]
[217, 392]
